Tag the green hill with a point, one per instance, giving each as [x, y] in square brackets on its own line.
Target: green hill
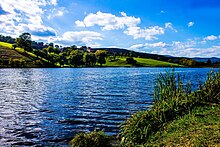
[18, 58]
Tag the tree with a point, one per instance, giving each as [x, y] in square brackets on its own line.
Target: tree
[83, 48]
[89, 59]
[131, 61]
[76, 58]
[100, 55]
[24, 41]
[63, 59]
[50, 49]
[209, 62]
[36, 52]
[131, 53]
[73, 47]
[53, 58]
[14, 46]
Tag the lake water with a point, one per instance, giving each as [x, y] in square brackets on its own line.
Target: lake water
[48, 106]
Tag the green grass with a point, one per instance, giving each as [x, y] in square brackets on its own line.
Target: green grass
[200, 127]
[4, 44]
[155, 63]
[121, 62]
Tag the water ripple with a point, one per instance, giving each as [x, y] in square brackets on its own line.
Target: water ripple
[44, 107]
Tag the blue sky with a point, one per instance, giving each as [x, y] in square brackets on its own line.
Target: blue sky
[188, 28]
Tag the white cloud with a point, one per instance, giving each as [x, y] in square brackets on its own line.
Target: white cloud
[156, 45]
[23, 16]
[183, 45]
[147, 33]
[159, 45]
[137, 46]
[53, 2]
[190, 48]
[210, 38]
[80, 38]
[190, 24]
[169, 25]
[162, 11]
[108, 21]
[57, 12]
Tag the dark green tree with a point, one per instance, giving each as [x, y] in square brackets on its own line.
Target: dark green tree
[50, 49]
[131, 61]
[36, 52]
[53, 58]
[14, 46]
[89, 59]
[209, 62]
[100, 55]
[24, 41]
[76, 58]
[73, 47]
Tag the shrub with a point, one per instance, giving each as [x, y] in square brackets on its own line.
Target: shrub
[92, 139]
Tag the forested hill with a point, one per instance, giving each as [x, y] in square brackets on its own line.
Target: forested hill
[191, 62]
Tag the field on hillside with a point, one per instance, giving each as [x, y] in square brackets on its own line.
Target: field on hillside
[17, 57]
[143, 62]
[6, 54]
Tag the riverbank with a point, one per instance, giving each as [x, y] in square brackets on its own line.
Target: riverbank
[172, 101]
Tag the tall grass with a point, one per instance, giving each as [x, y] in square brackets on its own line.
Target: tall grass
[172, 99]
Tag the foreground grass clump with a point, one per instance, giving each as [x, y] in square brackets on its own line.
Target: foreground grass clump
[172, 100]
[92, 139]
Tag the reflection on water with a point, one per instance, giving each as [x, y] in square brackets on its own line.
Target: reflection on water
[48, 106]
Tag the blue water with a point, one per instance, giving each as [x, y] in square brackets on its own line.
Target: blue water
[48, 106]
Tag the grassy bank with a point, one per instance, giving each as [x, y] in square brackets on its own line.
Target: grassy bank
[174, 103]
[178, 117]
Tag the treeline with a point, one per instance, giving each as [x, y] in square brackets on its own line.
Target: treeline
[56, 55]
[34, 44]
[188, 62]
[72, 56]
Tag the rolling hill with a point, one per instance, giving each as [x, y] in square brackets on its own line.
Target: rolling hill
[18, 58]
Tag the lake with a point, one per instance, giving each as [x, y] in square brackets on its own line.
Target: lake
[43, 106]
